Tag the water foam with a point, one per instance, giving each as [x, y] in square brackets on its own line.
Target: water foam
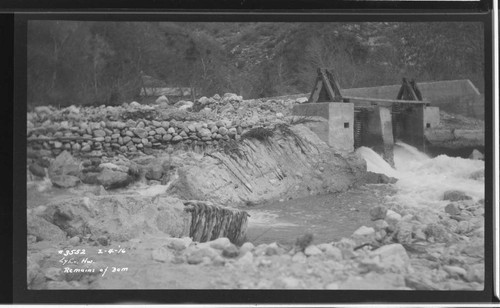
[265, 218]
[375, 163]
[422, 180]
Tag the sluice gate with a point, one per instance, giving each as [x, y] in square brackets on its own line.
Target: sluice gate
[376, 123]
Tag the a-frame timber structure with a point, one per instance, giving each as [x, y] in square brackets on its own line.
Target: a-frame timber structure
[353, 122]
[326, 88]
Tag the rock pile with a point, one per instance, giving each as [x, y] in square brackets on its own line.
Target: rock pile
[133, 127]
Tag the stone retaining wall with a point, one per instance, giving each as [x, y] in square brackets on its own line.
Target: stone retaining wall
[145, 130]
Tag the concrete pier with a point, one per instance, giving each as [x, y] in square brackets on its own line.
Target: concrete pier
[337, 131]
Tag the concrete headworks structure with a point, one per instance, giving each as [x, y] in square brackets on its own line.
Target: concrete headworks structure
[352, 122]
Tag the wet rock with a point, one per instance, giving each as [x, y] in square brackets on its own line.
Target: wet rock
[179, 243]
[162, 255]
[455, 195]
[378, 212]
[65, 181]
[312, 250]
[230, 251]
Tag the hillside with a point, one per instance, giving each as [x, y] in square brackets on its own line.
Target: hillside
[74, 62]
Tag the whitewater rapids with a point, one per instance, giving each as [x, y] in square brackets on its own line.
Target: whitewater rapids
[422, 180]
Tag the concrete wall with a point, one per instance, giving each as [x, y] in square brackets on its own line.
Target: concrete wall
[338, 129]
[431, 117]
[341, 126]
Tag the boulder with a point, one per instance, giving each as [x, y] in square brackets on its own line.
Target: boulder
[179, 243]
[452, 209]
[154, 172]
[392, 256]
[364, 234]
[198, 255]
[312, 250]
[378, 212]
[114, 167]
[64, 164]
[392, 218]
[37, 170]
[455, 195]
[230, 251]
[108, 178]
[65, 181]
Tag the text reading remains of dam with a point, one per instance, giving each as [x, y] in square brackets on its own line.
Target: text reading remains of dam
[227, 193]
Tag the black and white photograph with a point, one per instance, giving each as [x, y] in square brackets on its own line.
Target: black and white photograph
[339, 155]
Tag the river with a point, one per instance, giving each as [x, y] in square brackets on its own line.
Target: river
[422, 181]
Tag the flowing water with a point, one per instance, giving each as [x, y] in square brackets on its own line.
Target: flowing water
[422, 181]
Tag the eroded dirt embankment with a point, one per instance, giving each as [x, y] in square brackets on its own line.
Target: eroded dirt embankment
[289, 164]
